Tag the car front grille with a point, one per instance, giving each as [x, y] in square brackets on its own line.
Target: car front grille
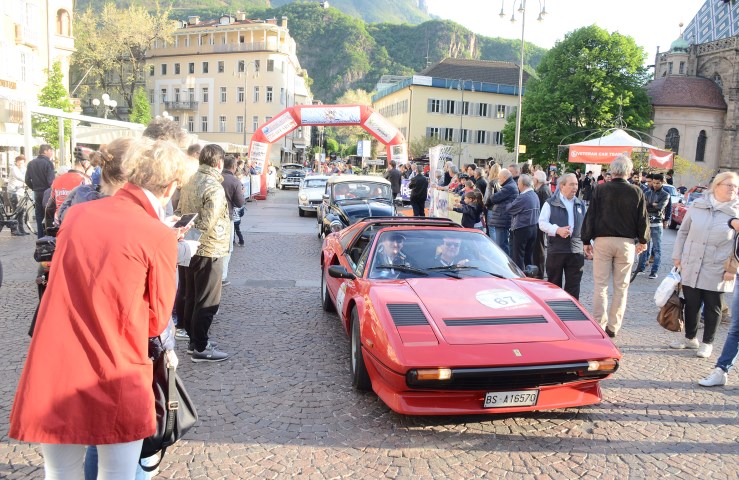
[406, 314]
[475, 322]
[566, 310]
[506, 378]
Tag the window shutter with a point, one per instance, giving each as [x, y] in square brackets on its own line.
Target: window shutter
[428, 130]
[429, 106]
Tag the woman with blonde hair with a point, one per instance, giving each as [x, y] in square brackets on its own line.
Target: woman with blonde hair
[87, 378]
[493, 187]
[704, 242]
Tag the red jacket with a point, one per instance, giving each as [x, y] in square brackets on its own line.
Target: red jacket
[87, 379]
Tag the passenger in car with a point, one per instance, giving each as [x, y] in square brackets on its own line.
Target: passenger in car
[450, 253]
[341, 192]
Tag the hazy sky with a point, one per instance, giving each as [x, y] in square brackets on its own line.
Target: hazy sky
[651, 23]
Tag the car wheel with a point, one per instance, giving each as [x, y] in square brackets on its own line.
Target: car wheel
[673, 224]
[301, 212]
[360, 377]
[280, 187]
[326, 303]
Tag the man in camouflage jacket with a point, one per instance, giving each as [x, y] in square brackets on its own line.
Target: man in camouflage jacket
[204, 195]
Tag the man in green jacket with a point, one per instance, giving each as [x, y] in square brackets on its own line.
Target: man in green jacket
[204, 195]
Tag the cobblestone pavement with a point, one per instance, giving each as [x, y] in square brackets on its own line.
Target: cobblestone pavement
[283, 405]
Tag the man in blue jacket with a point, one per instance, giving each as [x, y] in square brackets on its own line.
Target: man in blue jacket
[524, 211]
[498, 202]
[39, 177]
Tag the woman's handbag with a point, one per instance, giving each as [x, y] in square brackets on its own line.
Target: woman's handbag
[731, 265]
[175, 411]
[667, 287]
[672, 314]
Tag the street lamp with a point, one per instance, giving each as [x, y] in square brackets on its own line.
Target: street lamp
[522, 11]
[244, 64]
[461, 83]
[108, 104]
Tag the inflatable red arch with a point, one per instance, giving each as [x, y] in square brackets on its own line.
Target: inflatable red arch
[318, 115]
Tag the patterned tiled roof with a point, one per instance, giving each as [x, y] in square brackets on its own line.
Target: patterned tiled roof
[505, 73]
[681, 91]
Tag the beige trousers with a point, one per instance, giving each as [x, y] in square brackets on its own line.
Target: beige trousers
[612, 256]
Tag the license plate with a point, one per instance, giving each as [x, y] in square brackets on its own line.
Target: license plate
[518, 398]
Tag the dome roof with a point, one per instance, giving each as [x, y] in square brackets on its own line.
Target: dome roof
[690, 92]
[680, 45]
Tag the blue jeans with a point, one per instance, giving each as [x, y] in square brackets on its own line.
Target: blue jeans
[655, 246]
[731, 347]
[501, 238]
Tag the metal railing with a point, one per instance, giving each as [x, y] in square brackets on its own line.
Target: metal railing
[183, 105]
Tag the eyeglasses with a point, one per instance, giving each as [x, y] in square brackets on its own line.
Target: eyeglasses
[452, 244]
[735, 187]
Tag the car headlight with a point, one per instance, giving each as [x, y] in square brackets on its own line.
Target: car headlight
[336, 226]
[303, 197]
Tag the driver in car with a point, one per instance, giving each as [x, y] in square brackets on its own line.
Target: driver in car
[449, 253]
[341, 192]
[390, 251]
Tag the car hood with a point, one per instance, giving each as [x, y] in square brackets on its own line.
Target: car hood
[313, 193]
[477, 311]
[355, 210]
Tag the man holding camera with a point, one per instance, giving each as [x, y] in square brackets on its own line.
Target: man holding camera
[656, 198]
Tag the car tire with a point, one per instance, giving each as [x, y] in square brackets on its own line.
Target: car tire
[673, 224]
[301, 212]
[360, 378]
[280, 187]
[326, 303]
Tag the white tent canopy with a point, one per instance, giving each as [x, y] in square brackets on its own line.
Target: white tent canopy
[617, 138]
[606, 148]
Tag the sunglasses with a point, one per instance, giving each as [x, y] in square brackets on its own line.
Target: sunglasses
[453, 244]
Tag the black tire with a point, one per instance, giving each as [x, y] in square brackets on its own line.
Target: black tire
[326, 302]
[301, 212]
[673, 225]
[360, 378]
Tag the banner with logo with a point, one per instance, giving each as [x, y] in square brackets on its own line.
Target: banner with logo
[596, 154]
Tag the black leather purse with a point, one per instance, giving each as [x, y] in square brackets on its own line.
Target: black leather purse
[176, 412]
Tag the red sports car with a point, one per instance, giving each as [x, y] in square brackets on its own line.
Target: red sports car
[441, 322]
[679, 209]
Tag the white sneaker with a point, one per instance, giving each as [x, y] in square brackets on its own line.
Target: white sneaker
[683, 343]
[704, 351]
[717, 378]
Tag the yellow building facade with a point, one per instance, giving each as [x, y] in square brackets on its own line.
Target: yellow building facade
[222, 79]
[33, 35]
[463, 103]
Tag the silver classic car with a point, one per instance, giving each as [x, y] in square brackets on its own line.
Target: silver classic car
[310, 194]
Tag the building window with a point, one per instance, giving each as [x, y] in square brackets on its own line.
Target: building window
[191, 67]
[223, 94]
[176, 94]
[432, 132]
[465, 135]
[221, 67]
[176, 68]
[450, 107]
[465, 107]
[254, 123]
[257, 64]
[672, 141]
[484, 110]
[682, 68]
[222, 124]
[256, 95]
[241, 66]
[190, 123]
[187, 40]
[282, 96]
[267, 119]
[151, 70]
[497, 138]
[164, 95]
[700, 150]
[63, 23]
[270, 65]
[151, 95]
[240, 124]
[205, 67]
[669, 68]
[500, 111]
[482, 136]
[268, 95]
[240, 94]
[448, 134]
[434, 106]
[164, 69]
[717, 80]
[204, 123]
[204, 95]
[176, 118]
[191, 94]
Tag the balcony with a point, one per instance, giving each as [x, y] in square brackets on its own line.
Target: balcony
[24, 35]
[186, 105]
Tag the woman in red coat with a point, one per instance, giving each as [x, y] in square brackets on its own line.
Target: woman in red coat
[87, 379]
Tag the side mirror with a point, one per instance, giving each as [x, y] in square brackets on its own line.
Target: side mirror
[531, 271]
[325, 196]
[339, 271]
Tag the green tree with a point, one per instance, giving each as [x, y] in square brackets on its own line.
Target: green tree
[331, 145]
[585, 82]
[419, 146]
[53, 95]
[141, 111]
[111, 46]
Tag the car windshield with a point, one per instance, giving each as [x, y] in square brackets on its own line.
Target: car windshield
[670, 189]
[315, 183]
[439, 253]
[361, 191]
[693, 196]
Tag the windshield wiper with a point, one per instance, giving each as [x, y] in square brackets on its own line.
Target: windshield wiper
[454, 268]
[402, 268]
[380, 198]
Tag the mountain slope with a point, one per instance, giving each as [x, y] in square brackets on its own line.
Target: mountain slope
[372, 11]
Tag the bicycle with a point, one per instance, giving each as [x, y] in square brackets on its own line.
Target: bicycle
[25, 209]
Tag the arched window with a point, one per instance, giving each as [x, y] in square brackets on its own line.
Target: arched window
[700, 150]
[672, 142]
[63, 23]
[717, 79]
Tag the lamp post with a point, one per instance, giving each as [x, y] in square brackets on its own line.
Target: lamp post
[109, 105]
[522, 11]
[461, 83]
[256, 72]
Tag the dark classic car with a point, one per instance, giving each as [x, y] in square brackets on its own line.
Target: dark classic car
[350, 198]
[290, 175]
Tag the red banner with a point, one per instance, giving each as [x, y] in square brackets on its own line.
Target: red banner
[596, 153]
[660, 158]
